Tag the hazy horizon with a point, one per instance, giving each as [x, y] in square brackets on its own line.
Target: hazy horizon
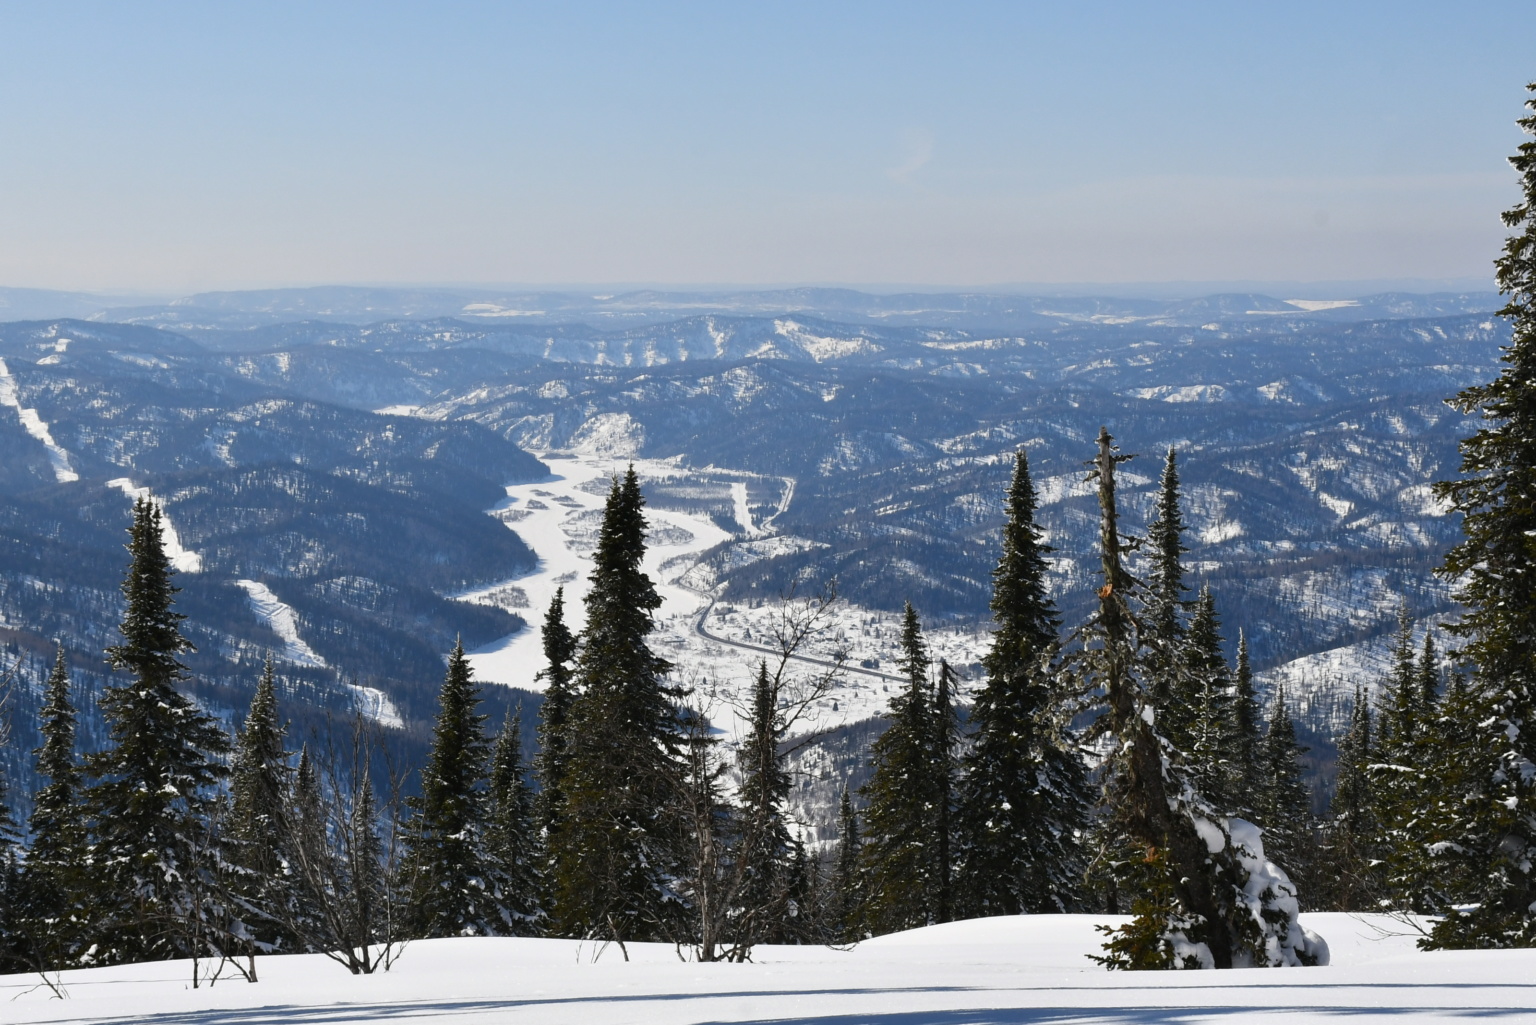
[176, 148]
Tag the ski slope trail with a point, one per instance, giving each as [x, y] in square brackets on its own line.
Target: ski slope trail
[182, 559]
[33, 424]
[998, 971]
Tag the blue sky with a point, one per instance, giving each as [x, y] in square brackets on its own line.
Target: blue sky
[173, 147]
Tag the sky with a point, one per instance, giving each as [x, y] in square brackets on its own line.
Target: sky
[177, 147]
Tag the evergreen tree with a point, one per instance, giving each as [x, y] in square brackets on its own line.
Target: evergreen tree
[151, 799]
[559, 692]
[53, 912]
[1247, 724]
[1212, 739]
[453, 889]
[260, 781]
[1400, 786]
[1284, 808]
[1163, 622]
[846, 908]
[364, 890]
[1024, 796]
[1219, 904]
[621, 838]
[1353, 832]
[513, 837]
[901, 853]
[1495, 832]
[765, 852]
[945, 742]
[1429, 675]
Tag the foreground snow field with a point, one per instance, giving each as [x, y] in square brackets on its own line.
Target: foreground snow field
[988, 972]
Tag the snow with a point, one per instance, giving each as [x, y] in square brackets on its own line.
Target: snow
[34, 425]
[374, 704]
[182, 560]
[280, 617]
[996, 971]
[558, 518]
[742, 511]
[1313, 305]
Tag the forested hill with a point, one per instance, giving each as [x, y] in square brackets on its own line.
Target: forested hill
[343, 464]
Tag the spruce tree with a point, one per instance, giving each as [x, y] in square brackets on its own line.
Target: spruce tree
[53, 918]
[1247, 727]
[152, 795]
[1217, 902]
[846, 908]
[1353, 833]
[513, 842]
[1212, 739]
[1284, 808]
[453, 888]
[260, 782]
[1024, 796]
[901, 866]
[1495, 832]
[621, 838]
[765, 851]
[1163, 622]
[554, 714]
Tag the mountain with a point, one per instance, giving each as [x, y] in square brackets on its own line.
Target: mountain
[329, 480]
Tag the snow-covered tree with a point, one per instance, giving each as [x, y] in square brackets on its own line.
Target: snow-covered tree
[153, 793]
[513, 843]
[1219, 903]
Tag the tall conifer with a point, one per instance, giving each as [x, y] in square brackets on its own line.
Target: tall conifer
[513, 841]
[261, 779]
[53, 919]
[454, 890]
[901, 864]
[622, 837]
[1024, 796]
[1495, 831]
[152, 795]
[554, 713]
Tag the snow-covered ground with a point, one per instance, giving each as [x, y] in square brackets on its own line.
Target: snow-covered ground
[33, 424]
[183, 560]
[559, 517]
[999, 971]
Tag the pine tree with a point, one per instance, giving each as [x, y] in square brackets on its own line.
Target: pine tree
[53, 912]
[453, 890]
[1353, 832]
[260, 781]
[1284, 808]
[621, 838]
[150, 803]
[901, 854]
[1495, 832]
[1024, 796]
[846, 908]
[559, 692]
[364, 891]
[513, 843]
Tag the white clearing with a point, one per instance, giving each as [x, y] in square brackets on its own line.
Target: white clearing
[34, 425]
[182, 560]
[714, 647]
[281, 618]
[996, 971]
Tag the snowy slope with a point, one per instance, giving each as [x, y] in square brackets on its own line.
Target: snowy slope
[997, 971]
